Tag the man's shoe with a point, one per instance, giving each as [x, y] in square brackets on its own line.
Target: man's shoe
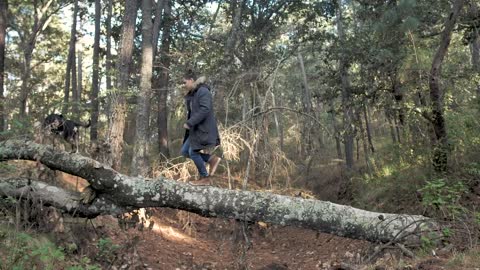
[213, 162]
[203, 181]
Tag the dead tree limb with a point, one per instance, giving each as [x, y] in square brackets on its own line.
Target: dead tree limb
[67, 201]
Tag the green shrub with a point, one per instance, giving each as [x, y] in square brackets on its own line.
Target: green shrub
[443, 197]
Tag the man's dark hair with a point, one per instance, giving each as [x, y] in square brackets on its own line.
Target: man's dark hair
[190, 75]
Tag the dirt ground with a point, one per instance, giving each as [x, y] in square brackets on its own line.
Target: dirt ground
[178, 240]
[206, 243]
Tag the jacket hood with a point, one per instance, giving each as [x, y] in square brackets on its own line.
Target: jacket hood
[200, 80]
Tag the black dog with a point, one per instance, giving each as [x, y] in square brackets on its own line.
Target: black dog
[68, 129]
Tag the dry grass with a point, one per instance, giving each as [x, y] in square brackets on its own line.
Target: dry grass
[174, 169]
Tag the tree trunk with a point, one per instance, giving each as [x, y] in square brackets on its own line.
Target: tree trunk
[156, 25]
[70, 61]
[475, 49]
[95, 75]
[28, 42]
[226, 65]
[117, 192]
[393, 135]
[278, 121]
[475, 43]
[25, 89]
[164, 76]
[79, 75]
[74, 83]
[3, 28]
[307, 108]
[335, 129]
[346, 95]
[119, 101]
[108, 61]
[364, 137]
[367, 126]
[140, 151]
[441, 148]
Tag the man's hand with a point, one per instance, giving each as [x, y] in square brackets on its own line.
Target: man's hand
[186, 126]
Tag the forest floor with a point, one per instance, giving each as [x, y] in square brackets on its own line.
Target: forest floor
[180, 240]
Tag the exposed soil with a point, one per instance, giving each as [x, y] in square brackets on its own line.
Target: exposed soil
[219, 244]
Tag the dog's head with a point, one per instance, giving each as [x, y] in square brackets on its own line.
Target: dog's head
[53, 122]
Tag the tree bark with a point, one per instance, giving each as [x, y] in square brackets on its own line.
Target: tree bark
[367, 126]
[140, 151]
[118, 192]
[3, 32]
[226, 64]
[389, 117]
[95, 74]
[475, 48]
[475, 41]
[67, 201]
[80, 77]
[108, 60]
[307, 108]
[346, 95]
[163, 80]
[156, 25]
[441, 148]
[335, 129]
[70, 61]
[120, 103]
[40, 22]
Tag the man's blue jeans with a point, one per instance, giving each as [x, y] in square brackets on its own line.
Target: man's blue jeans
[198, 158]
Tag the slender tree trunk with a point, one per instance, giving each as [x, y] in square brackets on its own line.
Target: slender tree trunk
[441, 148]
[80, 73]
[335, 130]
[278, 122]
[163, 81]
[307, 108]
[95, 74]
[156, 25]
[41, 21]
[391, 126]
[364, 137]
[74, 83]
[70, 60]
[80, 76]
[397, 128]
[226, 65]
[475, 44]
[156, 60]
[346, 95]
[25, 89]
[108, 61]
[119, 101]
[475, 49]
[140, 152]
[3, 28]
[368, 129]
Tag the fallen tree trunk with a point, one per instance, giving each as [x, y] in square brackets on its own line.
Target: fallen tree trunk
[121, 192]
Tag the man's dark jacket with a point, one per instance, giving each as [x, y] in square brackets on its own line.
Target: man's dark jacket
[203, 130]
